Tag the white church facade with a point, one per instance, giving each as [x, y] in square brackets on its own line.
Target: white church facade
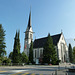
[60, 46]
[38, 44]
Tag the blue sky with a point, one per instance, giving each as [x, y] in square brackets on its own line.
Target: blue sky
[48, 16]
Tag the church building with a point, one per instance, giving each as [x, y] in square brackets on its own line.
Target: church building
[38, 45]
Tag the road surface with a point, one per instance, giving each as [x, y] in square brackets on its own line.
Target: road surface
[34, 70]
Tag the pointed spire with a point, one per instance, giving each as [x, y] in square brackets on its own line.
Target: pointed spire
[61, 31]
[29, 22]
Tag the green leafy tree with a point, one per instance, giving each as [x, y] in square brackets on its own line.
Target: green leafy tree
[31, 52]
[49, 52]
[24, 58]
[6, 60]
[74, 54]
[70, 53]
[2, 41]
[1, 59]
[16, 51]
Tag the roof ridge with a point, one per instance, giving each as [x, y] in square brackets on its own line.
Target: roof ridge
[56, 34]
[41, 38]
[46, 37]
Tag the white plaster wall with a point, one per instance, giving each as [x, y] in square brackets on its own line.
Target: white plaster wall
[28, 41]
[61, 42]
[37, 51]
[30, 32]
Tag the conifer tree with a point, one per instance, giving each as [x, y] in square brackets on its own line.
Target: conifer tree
[16, 50]
[49, 52]
[18, 39]
[2, 41]
[70, 53]
[74, 54]
[31, 52]
[11, 55]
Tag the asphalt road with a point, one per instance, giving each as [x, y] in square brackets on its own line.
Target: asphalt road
[34, 70]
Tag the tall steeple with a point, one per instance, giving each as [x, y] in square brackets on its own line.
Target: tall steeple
[28, 36]
[29, 22]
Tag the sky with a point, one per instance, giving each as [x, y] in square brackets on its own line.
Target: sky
[47, 16]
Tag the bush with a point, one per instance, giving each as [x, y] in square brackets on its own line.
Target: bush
[24, 58]
[6, 61]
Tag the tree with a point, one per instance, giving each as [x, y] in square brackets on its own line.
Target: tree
[24, 58]
[1, 59]
[49, 52]
[70, 53]
[16, 50]
[11, 55]
[31, 52]
[74, 54]
[2, 41]
[18, 40]
[6, 60]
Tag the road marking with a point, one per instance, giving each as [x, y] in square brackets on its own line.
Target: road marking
[3, 71]
[17, 73]
[18, 70]
[25, 73]
[32, 74]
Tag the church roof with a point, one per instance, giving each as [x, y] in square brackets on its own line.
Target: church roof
[38, 43]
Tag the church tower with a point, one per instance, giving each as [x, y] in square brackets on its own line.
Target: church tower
[28, 36]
